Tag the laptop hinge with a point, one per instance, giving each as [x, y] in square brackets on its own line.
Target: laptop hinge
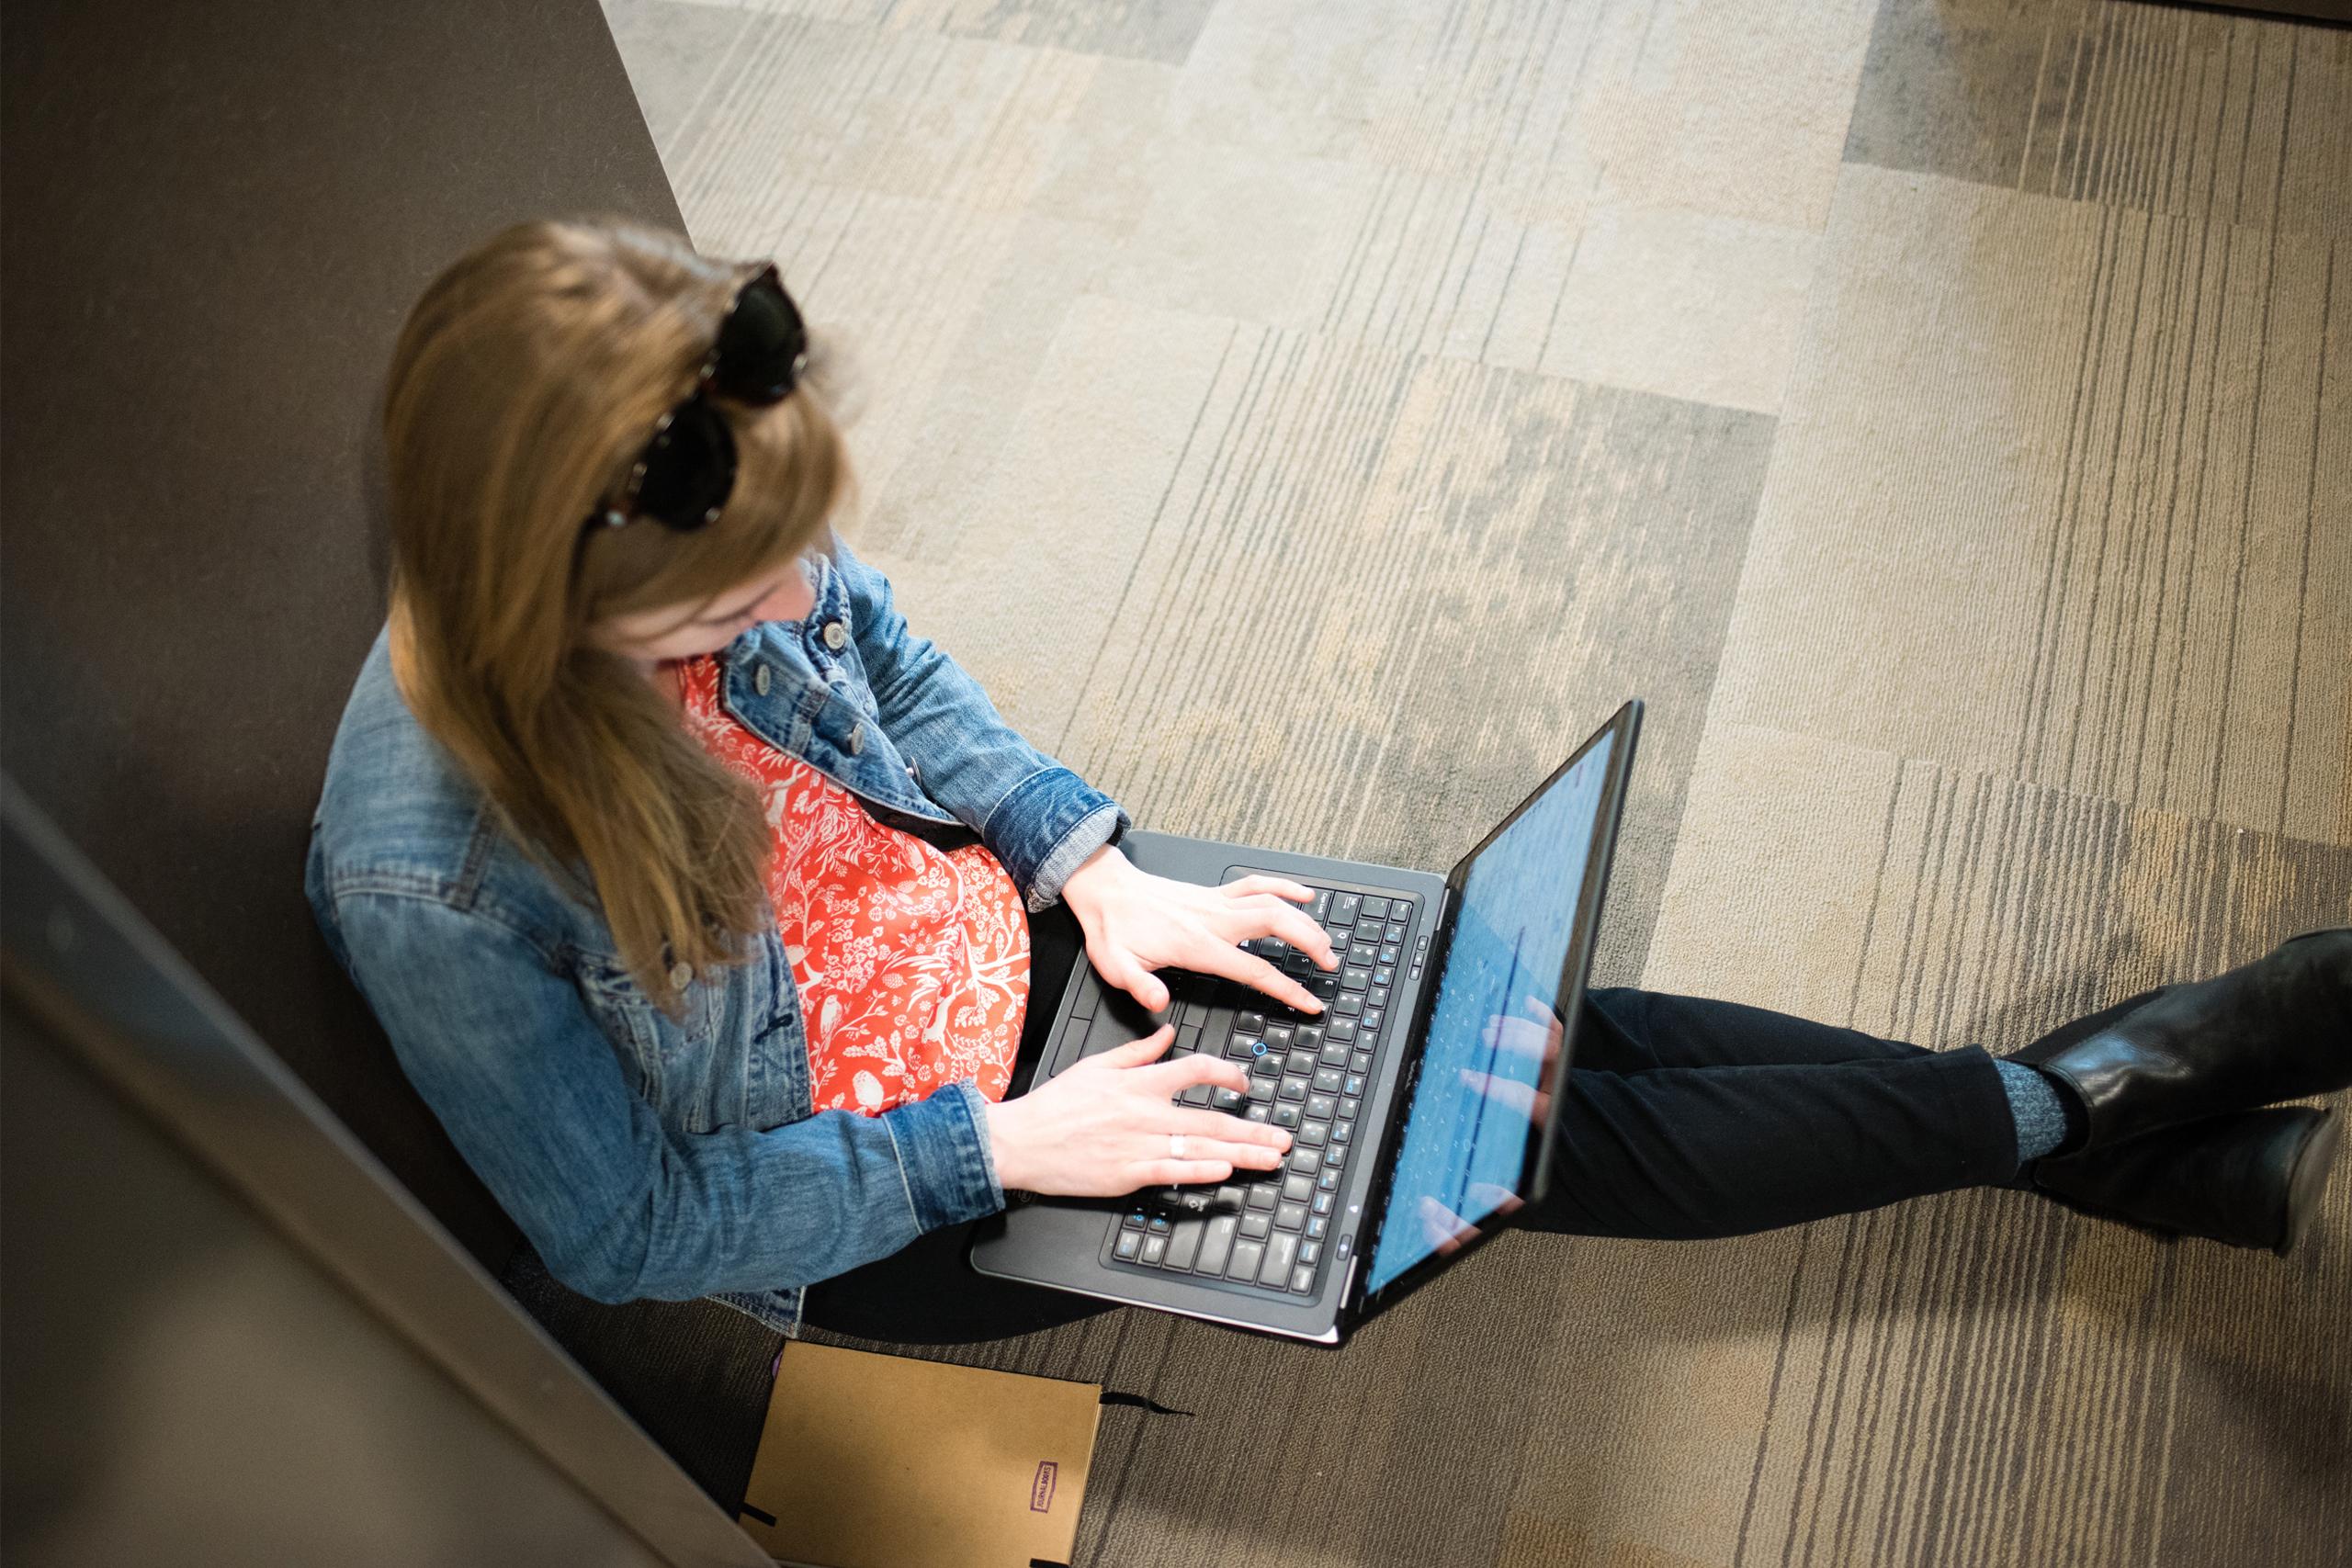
[1384, 1163]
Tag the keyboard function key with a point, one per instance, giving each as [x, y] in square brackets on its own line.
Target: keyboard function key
[1373, 909]
[1155, 1250]
[1130, 1246]
[1302, 1279]
[1345, 907]
[1247, 1257]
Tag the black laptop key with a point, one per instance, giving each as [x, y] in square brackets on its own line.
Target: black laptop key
[1313, 1135]
[1302, 1279]
[1264, 1196]
[1155, 1250]
[1197, 1095]
[1304, 1160]
[1347, 1005]
[1229, 1100]
[1296, 1188]
[1249, 1024]
[1130, 1246]
[1216, 1243]
[1293, 1089]
[1287, 1115]
[1248, 1256]
[1184, 1243]
[1373, 909]
[1281, 1254]
[1255, 1227]
[1345, 908]
[1290, 1217]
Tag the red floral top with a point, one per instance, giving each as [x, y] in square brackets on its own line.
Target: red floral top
[912, 962]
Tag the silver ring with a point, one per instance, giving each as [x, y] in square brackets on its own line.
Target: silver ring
[1175, 1146]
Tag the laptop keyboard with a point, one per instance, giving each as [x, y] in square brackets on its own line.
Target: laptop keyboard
[1307, 1075]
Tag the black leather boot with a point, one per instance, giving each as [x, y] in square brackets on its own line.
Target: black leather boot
[2251, 1179]
[2279, 1028]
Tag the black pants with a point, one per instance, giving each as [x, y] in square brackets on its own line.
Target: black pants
[1685, 1118]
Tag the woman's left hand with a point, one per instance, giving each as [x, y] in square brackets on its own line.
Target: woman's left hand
[1136, 923]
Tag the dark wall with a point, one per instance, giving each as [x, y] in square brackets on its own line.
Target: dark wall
[215, 215]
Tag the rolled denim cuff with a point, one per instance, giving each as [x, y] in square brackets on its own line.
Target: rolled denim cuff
[1091, 833]
[944, 1153]
[1044, 829]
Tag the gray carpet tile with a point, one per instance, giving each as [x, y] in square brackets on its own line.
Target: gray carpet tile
[2178, 110]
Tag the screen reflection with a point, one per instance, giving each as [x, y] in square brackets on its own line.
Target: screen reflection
[1493, 1038]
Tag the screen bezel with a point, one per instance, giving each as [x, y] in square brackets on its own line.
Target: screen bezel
[1625, 724]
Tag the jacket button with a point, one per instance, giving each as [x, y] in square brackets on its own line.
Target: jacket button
[681, 975]
[857, 739]
[760, 679]
[836, 635]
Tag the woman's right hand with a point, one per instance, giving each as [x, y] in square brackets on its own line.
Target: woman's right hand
[1104, 1127]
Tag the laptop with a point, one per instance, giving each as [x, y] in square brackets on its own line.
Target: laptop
[1419, 1130]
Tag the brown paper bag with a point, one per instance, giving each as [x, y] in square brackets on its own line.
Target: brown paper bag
[885, 1461]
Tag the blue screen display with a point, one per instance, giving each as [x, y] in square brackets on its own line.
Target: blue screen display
[1493, 1032]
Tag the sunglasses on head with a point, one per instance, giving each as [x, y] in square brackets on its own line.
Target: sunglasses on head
[683, 476]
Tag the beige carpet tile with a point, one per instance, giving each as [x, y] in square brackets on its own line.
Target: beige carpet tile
[1540, 197]
[2092, 531]
[2236, 119]
[1161, 30]
[794, 103]
[1267, 586]
[1734, 108]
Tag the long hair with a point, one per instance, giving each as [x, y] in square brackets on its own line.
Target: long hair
[525, 382]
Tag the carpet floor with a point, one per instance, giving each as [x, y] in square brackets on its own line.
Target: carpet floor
[1303, 414]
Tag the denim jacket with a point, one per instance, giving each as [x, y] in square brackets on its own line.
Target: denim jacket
[645, 1154]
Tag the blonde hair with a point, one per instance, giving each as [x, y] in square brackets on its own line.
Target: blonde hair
[525, 383]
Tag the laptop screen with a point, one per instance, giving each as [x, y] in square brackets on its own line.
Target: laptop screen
[1493, 1044]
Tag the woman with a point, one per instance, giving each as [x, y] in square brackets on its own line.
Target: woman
[700, 899]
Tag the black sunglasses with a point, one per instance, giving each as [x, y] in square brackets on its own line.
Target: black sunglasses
[682, 479]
